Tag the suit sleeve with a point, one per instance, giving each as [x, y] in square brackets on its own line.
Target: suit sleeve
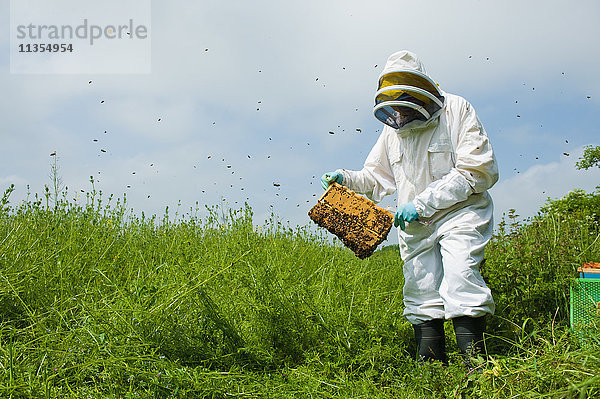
[376, 179]
[475, 169]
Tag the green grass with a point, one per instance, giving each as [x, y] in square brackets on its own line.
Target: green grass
[97, 302]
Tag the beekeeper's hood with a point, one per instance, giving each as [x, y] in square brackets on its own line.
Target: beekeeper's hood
[406, 96]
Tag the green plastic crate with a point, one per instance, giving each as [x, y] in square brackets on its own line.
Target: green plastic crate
[585, 306]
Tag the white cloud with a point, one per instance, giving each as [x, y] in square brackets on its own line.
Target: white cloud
[6, 181]
[528, 191]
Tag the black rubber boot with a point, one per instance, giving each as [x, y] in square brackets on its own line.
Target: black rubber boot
[431, 341]
[469, 337]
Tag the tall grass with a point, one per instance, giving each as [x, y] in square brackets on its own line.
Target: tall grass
[98, 302]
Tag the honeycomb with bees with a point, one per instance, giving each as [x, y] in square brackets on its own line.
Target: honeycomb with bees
[355, 220]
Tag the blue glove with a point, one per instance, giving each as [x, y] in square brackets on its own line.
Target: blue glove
[405, 213]
[331, 177]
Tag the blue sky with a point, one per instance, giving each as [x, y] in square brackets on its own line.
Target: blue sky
[256, 108]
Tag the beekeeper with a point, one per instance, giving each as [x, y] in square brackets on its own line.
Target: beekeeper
[434, 152]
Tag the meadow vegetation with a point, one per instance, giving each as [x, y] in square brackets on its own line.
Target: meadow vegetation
[98, 302]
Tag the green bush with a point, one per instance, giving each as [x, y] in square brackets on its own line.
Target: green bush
[530, 266]
[590, 158]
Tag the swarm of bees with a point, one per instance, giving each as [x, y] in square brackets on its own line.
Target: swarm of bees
[355, 220]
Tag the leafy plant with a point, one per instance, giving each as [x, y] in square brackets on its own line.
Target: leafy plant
[590, 158]
[530, 266]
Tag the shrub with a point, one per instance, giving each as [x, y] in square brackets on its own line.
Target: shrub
[531, 265]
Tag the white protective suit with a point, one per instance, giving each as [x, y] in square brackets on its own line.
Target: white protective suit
[444, 168]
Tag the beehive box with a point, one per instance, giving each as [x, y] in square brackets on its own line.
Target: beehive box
[589, 270]
[584, 307]
[354, 219]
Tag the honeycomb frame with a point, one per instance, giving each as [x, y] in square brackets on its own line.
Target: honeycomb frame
[357, 221]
